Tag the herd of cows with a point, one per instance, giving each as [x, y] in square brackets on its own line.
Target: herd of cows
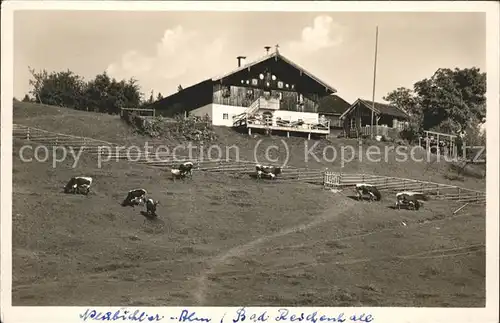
[408, 199]
[138, 196]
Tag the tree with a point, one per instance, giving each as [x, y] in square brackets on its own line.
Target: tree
[101, 94]
[151, 98]
[37, 81]
[57, 88]
[159, 97]
[451, 99]
[26, 98]
[180, 88]
[404, 99]
[97, 93]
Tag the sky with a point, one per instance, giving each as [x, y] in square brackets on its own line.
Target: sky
[164, 49]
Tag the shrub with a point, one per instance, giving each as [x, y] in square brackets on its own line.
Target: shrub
[409, 134]
[184, 129]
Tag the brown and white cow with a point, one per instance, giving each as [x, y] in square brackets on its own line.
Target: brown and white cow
[270, 172]
[135, 197]
[151, 207]
[410, 200]
[368, 189]
[78, 184]
[184, 170]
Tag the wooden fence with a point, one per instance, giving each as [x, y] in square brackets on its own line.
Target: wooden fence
[395, 184]
[377, 131]
[56, 139]
[140, 112]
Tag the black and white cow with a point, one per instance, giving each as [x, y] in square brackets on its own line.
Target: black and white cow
[270, 172]
[410, 200]
[184, 170]
[151, 207]
[135, 197]
[79, 184]
[368, 189]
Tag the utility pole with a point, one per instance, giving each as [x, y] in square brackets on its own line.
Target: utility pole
[374, 79]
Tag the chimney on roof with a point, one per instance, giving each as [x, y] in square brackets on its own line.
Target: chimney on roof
[267, 49]
[241, 60]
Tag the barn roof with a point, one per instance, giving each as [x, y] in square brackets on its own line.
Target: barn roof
[276, 55]
[380, 108]
[333, 104]
[193, 90]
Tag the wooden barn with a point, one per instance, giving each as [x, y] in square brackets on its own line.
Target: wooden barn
[270, 93]
[332, 107]
[388, 119]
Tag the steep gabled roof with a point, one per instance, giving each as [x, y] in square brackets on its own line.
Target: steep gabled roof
[276, 55]
[200, 86]
[380, 108]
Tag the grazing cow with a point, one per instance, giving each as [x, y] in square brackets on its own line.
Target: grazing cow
[135, 197]
[184, 170]
[269, 172]
[79, 184]
[411, 200]
[368, 189]
[151, 207]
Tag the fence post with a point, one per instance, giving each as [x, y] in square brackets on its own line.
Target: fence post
[437, 189]
[458, 188]
[28, 134]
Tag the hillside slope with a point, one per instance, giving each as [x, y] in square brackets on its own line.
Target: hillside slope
[113, 129]
[226, 240]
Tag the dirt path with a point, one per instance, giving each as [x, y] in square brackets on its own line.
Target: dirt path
[238, 251]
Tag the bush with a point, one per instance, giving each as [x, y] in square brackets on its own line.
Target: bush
[387, 139]
[409, 134]
[184, 129]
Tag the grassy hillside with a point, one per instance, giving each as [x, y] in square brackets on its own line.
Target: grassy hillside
[113, 129]
[226, 240]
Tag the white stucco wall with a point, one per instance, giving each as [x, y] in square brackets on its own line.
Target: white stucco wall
[218, 111]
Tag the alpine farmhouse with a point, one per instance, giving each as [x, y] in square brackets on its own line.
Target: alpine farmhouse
[271, 93]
